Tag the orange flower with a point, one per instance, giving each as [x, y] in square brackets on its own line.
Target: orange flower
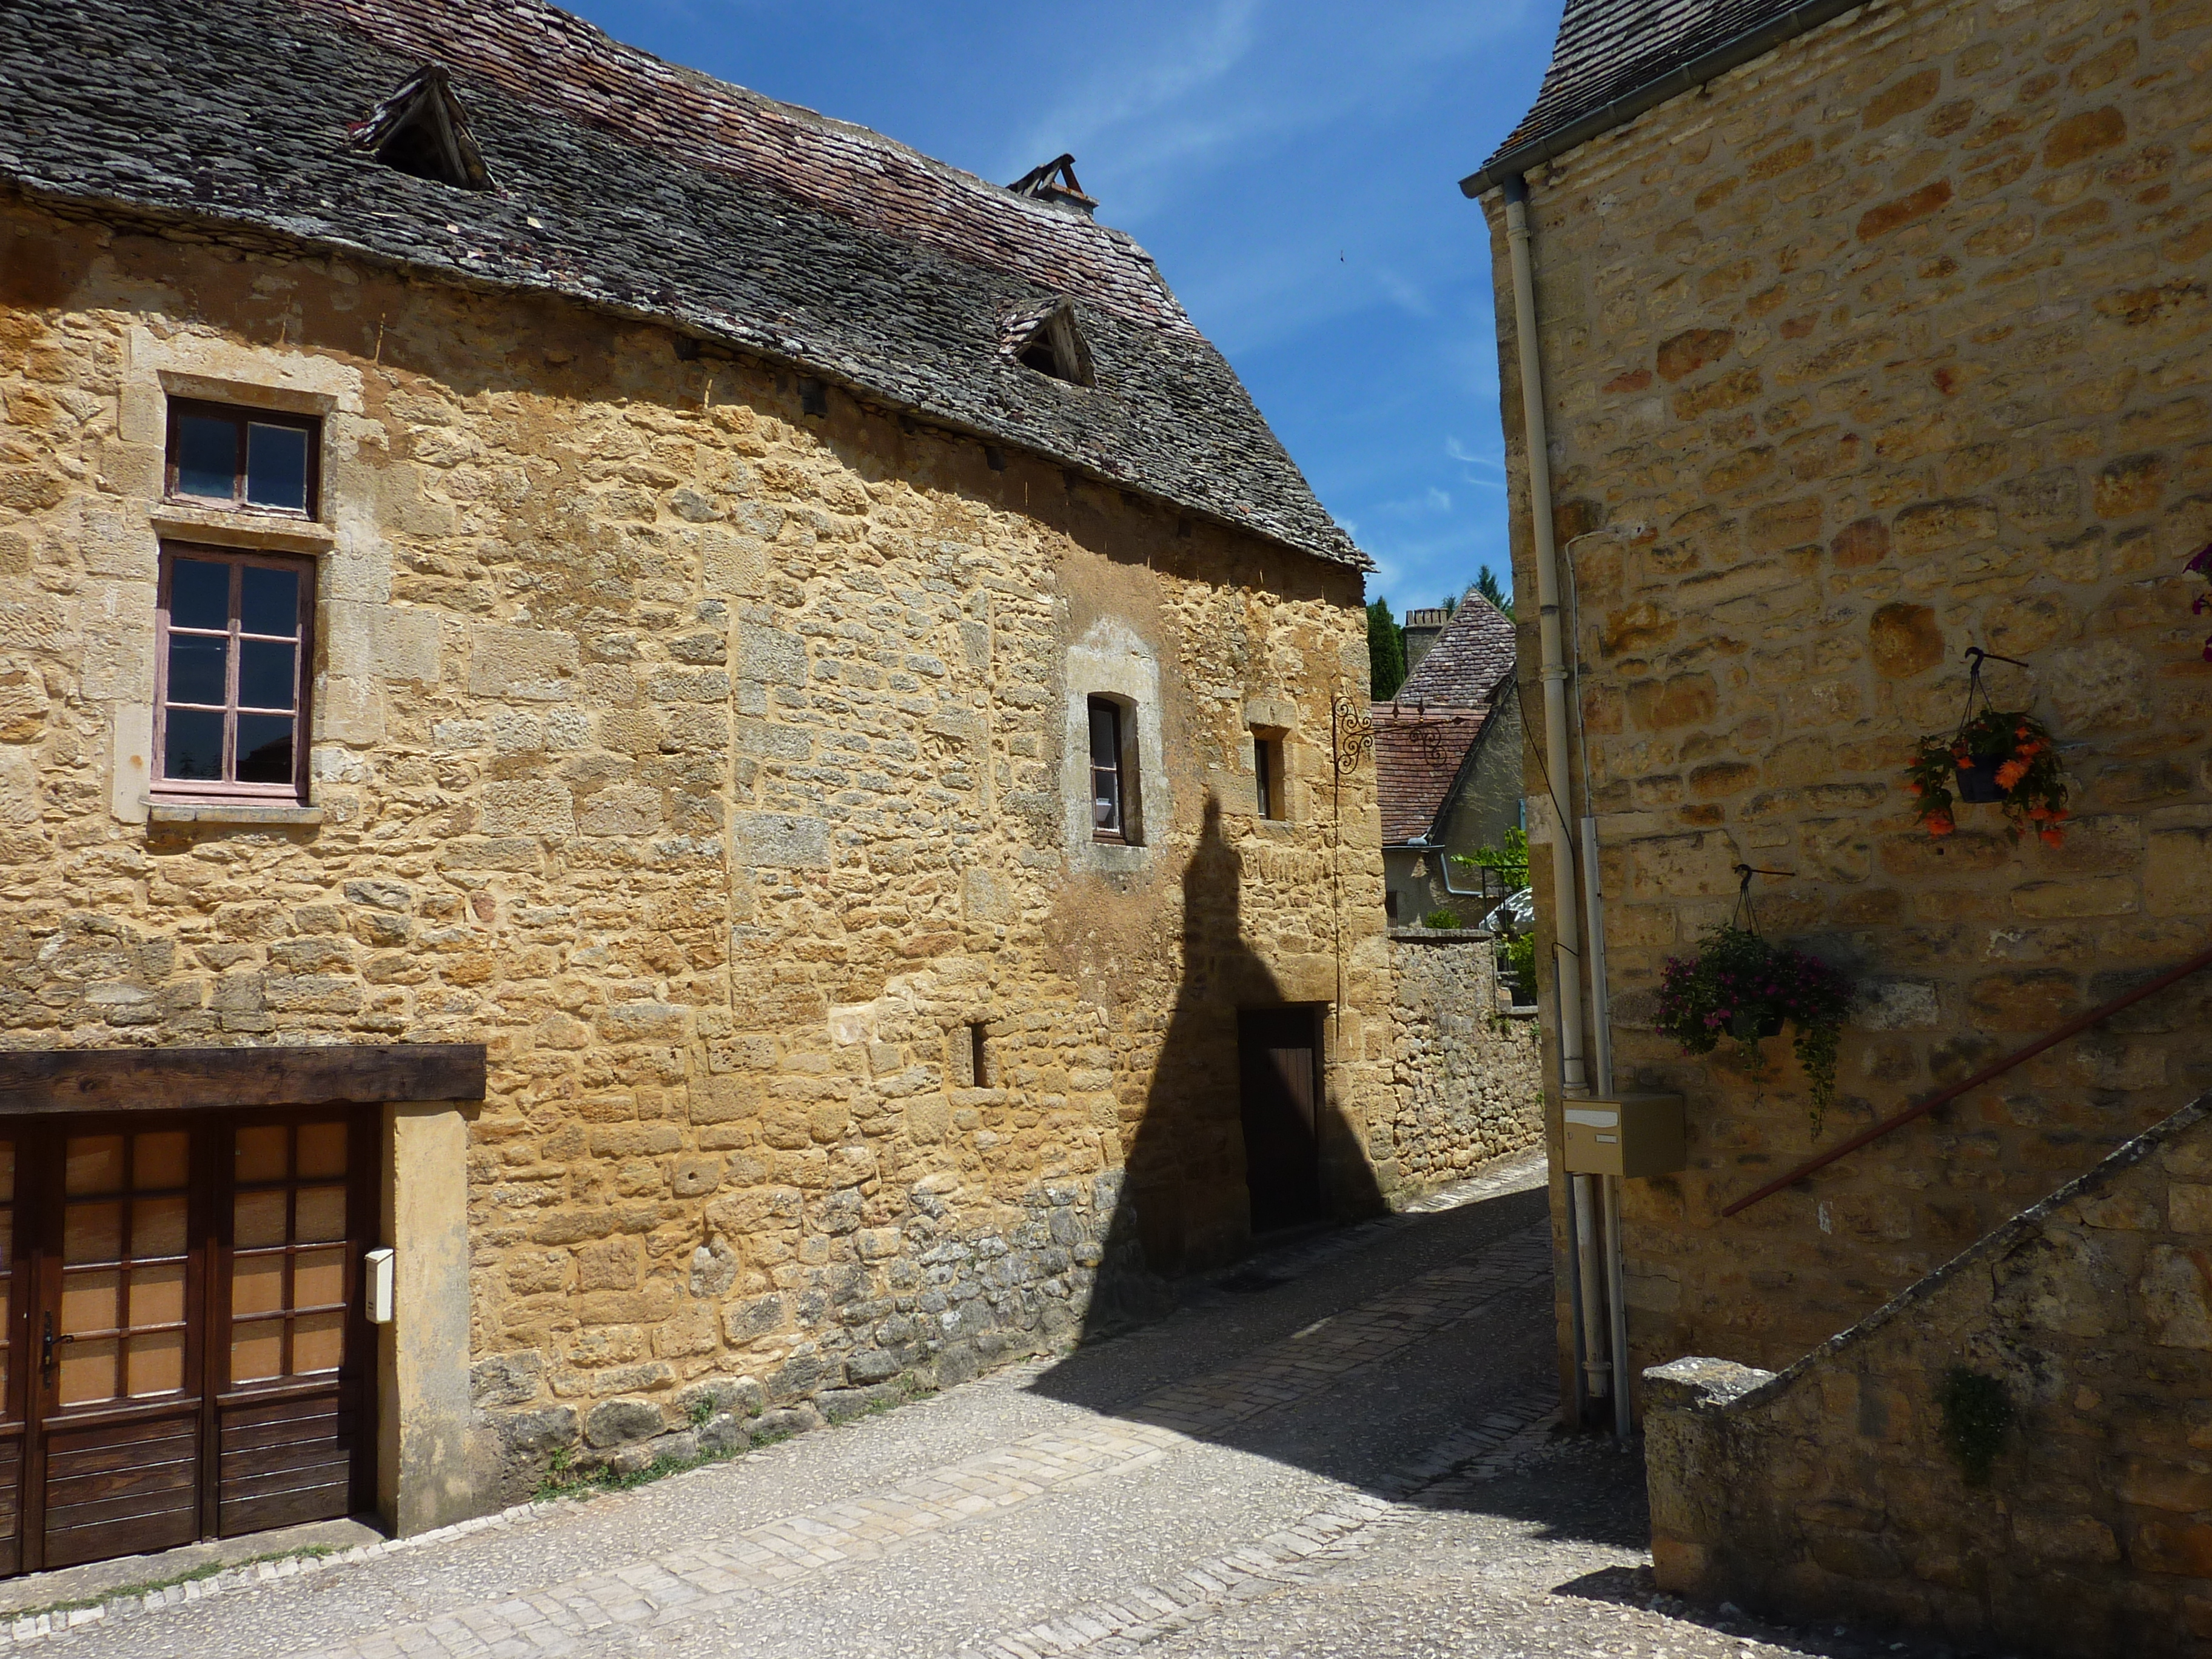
[1941, 823]
[2053, 835]
[2011, 772]
[1914, 788]
[2037, 814]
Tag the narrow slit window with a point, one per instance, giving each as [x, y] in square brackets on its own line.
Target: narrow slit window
[232, 639]
[1267, 782]
[1109, 820]
[250, 459]
[979, 1056]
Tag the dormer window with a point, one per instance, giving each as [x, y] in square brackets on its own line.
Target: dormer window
[1050, 342]
[422, 129]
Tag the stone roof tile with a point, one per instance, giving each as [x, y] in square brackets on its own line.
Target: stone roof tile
[1462, 669]
[653, 191]
[1418, 754]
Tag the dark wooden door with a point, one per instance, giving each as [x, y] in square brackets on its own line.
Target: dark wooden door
[1278, 1064]
[186, 1348]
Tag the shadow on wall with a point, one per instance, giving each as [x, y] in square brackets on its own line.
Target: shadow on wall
[1239, 1133]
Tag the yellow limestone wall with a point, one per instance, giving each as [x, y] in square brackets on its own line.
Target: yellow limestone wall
[711, 763]
[1894, 341]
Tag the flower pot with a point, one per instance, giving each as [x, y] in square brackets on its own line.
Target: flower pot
[1749, 1026]
[1977, 779]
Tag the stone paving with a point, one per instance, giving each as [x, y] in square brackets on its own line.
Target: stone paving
[1342, 1447]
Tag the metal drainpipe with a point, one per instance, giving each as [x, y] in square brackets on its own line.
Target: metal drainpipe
[1567, 965]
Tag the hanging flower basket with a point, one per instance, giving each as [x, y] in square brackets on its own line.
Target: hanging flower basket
[1740, 987]
[2001, 758]
[1997, 757]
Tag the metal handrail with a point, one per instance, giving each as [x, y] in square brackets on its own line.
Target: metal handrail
[2073, 1027]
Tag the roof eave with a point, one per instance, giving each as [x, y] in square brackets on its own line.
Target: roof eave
[1688, 77]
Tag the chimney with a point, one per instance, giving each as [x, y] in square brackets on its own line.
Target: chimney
[1421, 629]
[1056, 181]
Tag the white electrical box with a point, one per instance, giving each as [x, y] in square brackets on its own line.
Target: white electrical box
[1628, 1135]
[377, 1267]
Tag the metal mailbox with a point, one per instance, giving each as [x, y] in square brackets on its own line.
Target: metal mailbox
[1627, 1135]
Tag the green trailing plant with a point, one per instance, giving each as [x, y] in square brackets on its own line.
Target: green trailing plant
[1518, 958]
[1739, 986]
[1441, 919]
[1976, 1412]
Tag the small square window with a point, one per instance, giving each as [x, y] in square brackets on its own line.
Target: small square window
[250, 459]
[233, 635]
[1269, 787]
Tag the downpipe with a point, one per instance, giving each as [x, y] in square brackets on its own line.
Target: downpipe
[1593, 1202]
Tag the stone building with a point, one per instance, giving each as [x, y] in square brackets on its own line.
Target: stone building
[722, 735]
[1448, 764]
[1863, 336]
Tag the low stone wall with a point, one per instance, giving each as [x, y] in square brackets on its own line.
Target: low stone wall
[888, 1311]
[1837, 1486]
[1466, 1084]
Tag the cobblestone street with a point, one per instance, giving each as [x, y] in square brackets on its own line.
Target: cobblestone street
[1342, 1448]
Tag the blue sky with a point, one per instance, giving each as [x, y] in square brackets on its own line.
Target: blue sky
[1292, 164]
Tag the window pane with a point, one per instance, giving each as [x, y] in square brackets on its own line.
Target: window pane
[196, 665]
[1105, 736]
[157, 1227]
[318, 1343]
[264, 678]
[193, 747]
[207, 457]
[157, 1296]
[88, 1371]
[256, 1285]
[276, 467]
[158, 1161]
[199, 594]
[157, 1362]
[264, 749]
[318, 1279]
[93, 1164]
[321, 1214]
[259, 1219]
[256, 1350]
[93, 1232]
[269, 600]
[261, 1151]
[90, 1301]
[322, 1149]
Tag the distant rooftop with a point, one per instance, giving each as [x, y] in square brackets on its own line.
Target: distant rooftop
[1464, 666]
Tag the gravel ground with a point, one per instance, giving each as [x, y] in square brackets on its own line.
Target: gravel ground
[1342, 1448]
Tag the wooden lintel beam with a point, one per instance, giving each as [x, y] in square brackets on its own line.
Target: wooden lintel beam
[188, 1079]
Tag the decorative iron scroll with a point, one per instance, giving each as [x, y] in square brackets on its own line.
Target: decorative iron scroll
[1352, 731]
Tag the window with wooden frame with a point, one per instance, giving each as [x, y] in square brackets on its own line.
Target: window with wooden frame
[1270, 787]
[254, 460]
[1113, 774]
[233, 635]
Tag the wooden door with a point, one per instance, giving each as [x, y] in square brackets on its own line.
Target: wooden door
[185, 1354]
[118, 1286]
[289, 1419]
[1279, 1074]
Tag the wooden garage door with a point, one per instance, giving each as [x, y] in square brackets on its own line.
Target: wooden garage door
[185, 1349]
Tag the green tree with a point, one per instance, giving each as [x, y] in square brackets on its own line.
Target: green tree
[1487, 585]
[1386, 652]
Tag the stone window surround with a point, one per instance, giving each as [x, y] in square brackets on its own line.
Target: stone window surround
[1271, 719]
[352, 570]
[1114, 660]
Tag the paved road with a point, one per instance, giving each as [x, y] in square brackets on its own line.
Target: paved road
[1339, 1450]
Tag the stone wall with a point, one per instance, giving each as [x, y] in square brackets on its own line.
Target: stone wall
[1467, 1069]
[1833, 1491]
[1892, 342]
[696, 739]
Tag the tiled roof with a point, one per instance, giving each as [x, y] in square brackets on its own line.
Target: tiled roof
[1417, 755]
[1606, 49]
[655, 191]
[1463, 666]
